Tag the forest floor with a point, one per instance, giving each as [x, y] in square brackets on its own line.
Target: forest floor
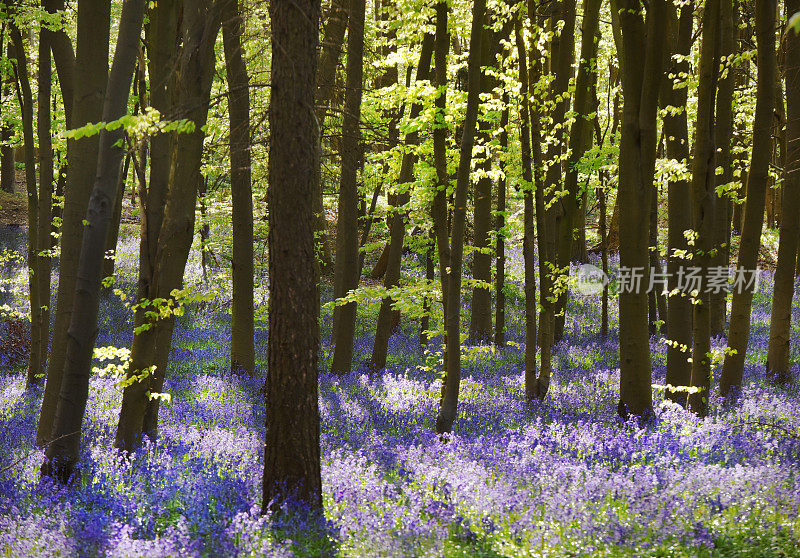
[565, 477]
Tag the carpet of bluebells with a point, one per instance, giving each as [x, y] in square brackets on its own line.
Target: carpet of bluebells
[565, 477]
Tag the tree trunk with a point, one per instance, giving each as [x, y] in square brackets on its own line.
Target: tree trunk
[25, 99]
[292, 453]
[480, 326]
[642, 59]
[724, 138]
[448, 408]
[562, 55]
[703, 204]
[778, 354]
[242, 328]
[150, 350]
[757, 179]
[331, 50]
[500, 235]
[580, 139]
[528, 246]
[397, 223]
[679, 215]
[45, 217]
[91, 77]
[346, 270]
[7, 170]
[62, 453]
[439, 207]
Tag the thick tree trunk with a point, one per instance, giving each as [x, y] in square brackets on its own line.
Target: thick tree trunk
[62, 453]
[150, 351]
[448, 407]
[778, 354]
[642, 59]
[580, 139]
[703, 204]
[25, 99]
[292, 453]
[346, 274]
[91, 77]
[757, 179]
[397, 224]
[242, 328]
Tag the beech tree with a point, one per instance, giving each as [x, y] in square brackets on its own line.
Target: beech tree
[757, 179]
[292, 453]
[641, 42]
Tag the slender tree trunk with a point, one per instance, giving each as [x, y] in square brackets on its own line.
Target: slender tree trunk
[335, 26]
[242, 328]
[480, 325]
[679, 216]
[642, 58]
[45, 217]
[778, 354]
[703, 204]
[7, 170]
[346, 271]
[562, 56]
[397, 224]
[448, 407]
[724, 138]
[580, 139]
[91, 76]
[500, 235]
[150, 351]
[25, 99]
[62, 452]
[528, 240]
[757, 179]
[292, 453]
[439, 205]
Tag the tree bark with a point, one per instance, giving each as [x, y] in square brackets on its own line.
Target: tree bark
[451, 382]
[242, 327]
[642, 59]
[62, 452]
[91, 77]
[292, 453]
[346, 271]
[7, 170]
[757, 179]
[778, 354]
[703, 204]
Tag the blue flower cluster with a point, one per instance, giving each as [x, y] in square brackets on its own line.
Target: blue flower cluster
[562, 477]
